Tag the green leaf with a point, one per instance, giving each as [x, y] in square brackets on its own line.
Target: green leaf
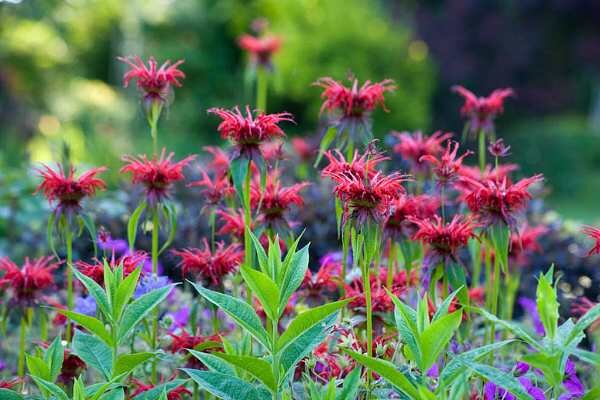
[50, 387]
[88, 222]
[500, 237]
[548, 364]
[406, 322]
[92, 324]
[37, 367]
[387, 371]
[226, 387]
[127, 362]
[263, 261]
[54, 357]
[153, 393]
[586, 320]
[515, 329]
[124, 292]
[443, 308]
[171, 214]
[241, 312]
[500, 378]
[133, 224]
[214, 363]
[294, 274]
[94, 352]
[547, 304]
[265, 289]
[96, 292]
[257, 367]
[78, 389]
[436, 337]
[306, 320]
[239, 170]
[50, 233]
[6, 394]
[115, 394]
[592, 394]
[141, 307]
[587, 356]
[351, 386]
[329, 136]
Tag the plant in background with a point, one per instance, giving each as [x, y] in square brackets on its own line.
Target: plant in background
[238, 374]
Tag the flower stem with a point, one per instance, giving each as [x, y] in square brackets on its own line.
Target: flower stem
[482, 150]
[154, 336]
[368, 305]
[261, 89]
[21, 365]
[248, 225]
[275, 358]
[69, 244]
[391, 264]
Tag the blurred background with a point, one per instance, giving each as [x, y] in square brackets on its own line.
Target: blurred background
[60, 81]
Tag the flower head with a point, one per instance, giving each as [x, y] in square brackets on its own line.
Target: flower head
[261, 49]
[219, 164]
[157, 174]
[361, 166]
[414, 146]
[177, 393]
[129, 262]
[183, 341]
[303, 148]
[525, 242]
[72, 367]
[444, 239]
[233, 222]
[149, 283]
[27, 282]
[10, 383]
[316, 286]
[398, 224]
[447, 167]
[215, 190]
[499, 149]
[153, 82]
[249, 132]
[481, 111]
[581, 306]
[593, 233]
[499, 200]
[66, 191]
[210, 265]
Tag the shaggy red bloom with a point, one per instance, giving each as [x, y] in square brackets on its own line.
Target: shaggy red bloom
[318, 286]
[593, 233]
[581, 306]
[499, 149]
[353, 101]
[248, 132]
[215, 190]
[220, 161]
[66, 190]
[499, 200]
[380, 300]
[30, 280]
[261, 49]
[446, 168]
[414, 146]
[444, 239]
[398, 225]
[154, 83]
[210, 265]
[182, 342]
[360, 166]
[481, 111]
[474, 173]
[10, 383]
[233, 222]
[96, 270]
[157, 175]
[275, 200]
[273, 151]
[178, 393]
[303, 148]
[525, 242]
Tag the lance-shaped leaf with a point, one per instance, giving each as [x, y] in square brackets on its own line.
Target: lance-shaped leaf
[95, 291]
[436, 337]
[92, 324]
[214, 363]
[54, 357]
[241, 312]
[170, 213]
[133, 224]
[93, 352]
[141, 307]
[547, 303]
[586, 320]
[125, 290]
[226, 387]
[264, 288]
[500, 378]
[153, 393]
[257, 367]
[515, 329]
[6, 394]
[128, 362]
[406, 322]
[50, 387]
[294, 272]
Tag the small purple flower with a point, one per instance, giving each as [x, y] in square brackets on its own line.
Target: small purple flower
[149, 283]
[572, 384]
[85, 305]
[533, 391]
[111, 246]
[434, 371]
[179, 318]
[2, 365]
[521, 368]
[531, 308]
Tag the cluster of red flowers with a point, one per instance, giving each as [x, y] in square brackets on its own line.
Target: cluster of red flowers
[28, 282]
[399, 224]
[208, 264]
[129, 263]
[414, 147]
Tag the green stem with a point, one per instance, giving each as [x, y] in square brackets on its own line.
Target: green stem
[261, 89]
[248, 225]
[482, 150]
[496, 292]
[43, 327]
[368, 305]
[154, 335]
[215, 319]
[391, 262]
[21, 365]
[275, 357]
[69, 244]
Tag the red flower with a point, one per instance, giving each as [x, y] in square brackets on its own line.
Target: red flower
[581, 306]
[398, 224]
[214, 190]
[154, 83]
[96, 270]
[157, 175]
[10, 383]
[233, 222]
[220, 161]
[273, 151]
[318, 286]
[526, 242]
[303, 148]
[210, 265]
[499, 149]
[28, 281]
[446, 168]
[275, 200]
[360, 166]
[413, 146]
[474, 173]
[353, 101]
[72, 367]
[178, 393]
[481, 111]
[66, 190]
[248, 132]
[499, 200]
[261, 49]
[184, 341]
[444, 239]
[593, 233]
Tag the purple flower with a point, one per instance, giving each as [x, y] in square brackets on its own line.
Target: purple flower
[179, 318]
[85, 305]
[521, 368]
[531, 308]
[434, 371]
[572, 384]
[535, 392]
[111, 246]
[149, 283]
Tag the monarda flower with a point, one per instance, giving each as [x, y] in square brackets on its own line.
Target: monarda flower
[351, 107]
[232, 223]
[318, 286]
[157, 174]
[443, 239]
[499, 149]
[208, 265]
[593, 233]
[495, 201]
[580, 306]
[413, 146]
[274, 201]
[154, 83]
[304, 149]
[28, 282]
[248, 132]
[129, 262]
[398, 224]
[525, 242]
[380, 300]
[10, 383]
[216, 189]
[446, 168]
[64, 191]
[219, 164]
[260, 49]
[361, 166]
[481, 111]
[177, 393]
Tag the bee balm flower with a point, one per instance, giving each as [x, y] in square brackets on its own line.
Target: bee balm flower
[446, 168]
[593, 233]
[30, 280]
[413, 146]
[481, 111]
[260, 49]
